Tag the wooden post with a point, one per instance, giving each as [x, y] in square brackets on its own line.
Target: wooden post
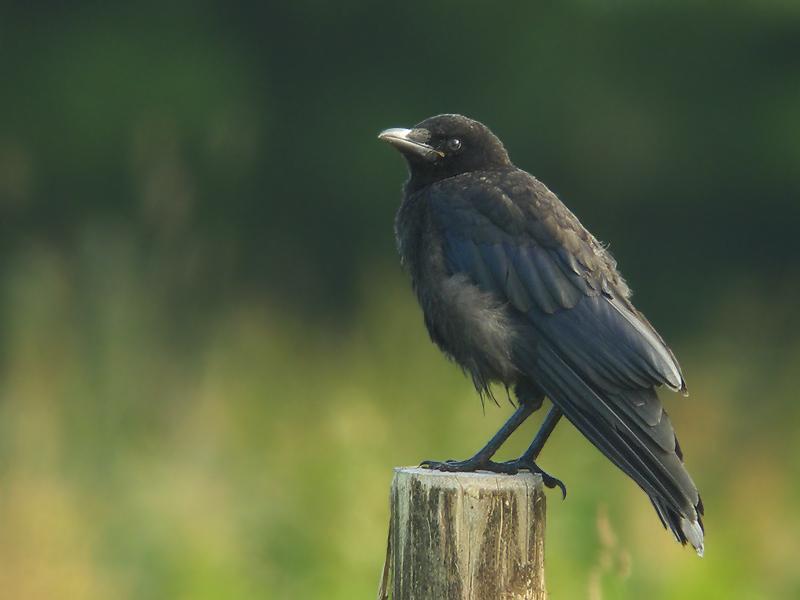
[465, 536]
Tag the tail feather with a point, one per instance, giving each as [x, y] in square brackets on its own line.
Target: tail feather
[649, 454]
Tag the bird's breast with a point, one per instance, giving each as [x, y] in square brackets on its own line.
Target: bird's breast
[470, 325]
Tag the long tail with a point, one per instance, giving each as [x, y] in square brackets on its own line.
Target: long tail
[631, 428]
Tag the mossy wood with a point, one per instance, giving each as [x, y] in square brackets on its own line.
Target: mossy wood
[465, 536]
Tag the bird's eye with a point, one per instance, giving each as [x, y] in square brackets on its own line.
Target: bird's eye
[454, 144]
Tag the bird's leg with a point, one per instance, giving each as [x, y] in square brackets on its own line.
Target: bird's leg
[528, 460]
[548, 425]
[481, 462]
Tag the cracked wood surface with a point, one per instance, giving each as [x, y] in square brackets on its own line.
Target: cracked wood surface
[465, 536]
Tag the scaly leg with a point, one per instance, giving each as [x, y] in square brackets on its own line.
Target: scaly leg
[528, 460]
[480, 461]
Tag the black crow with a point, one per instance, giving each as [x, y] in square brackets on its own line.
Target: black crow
[516, 291]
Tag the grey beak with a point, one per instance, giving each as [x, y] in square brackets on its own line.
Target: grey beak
[411, 141]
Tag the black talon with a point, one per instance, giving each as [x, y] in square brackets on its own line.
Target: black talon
[552, 482]
[548, 480]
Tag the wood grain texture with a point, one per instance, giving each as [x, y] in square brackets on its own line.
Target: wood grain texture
[465, 536]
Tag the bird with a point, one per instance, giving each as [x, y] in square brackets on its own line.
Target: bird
[517, 292]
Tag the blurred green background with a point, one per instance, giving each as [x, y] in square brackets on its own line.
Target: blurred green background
[210, 359]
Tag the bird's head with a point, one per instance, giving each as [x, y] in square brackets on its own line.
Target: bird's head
[447, 145]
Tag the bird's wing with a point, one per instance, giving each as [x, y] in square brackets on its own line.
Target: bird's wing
[529, 249]
[597, 358]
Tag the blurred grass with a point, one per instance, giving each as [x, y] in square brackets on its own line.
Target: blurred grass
[256, 462]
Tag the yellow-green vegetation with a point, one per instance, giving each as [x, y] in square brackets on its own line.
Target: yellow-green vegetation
[255, 461]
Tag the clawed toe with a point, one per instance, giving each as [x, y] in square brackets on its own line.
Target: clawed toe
[553, 482]
[548, 480]
[453, 466]
[431, 464]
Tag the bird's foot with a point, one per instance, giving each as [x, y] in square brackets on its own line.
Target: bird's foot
[475, 463]
[470, 465]
[522, 464]
[511, 467]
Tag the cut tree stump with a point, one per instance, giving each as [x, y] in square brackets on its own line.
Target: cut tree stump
[465, 536]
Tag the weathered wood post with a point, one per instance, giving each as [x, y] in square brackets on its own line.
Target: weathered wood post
[465, 536]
